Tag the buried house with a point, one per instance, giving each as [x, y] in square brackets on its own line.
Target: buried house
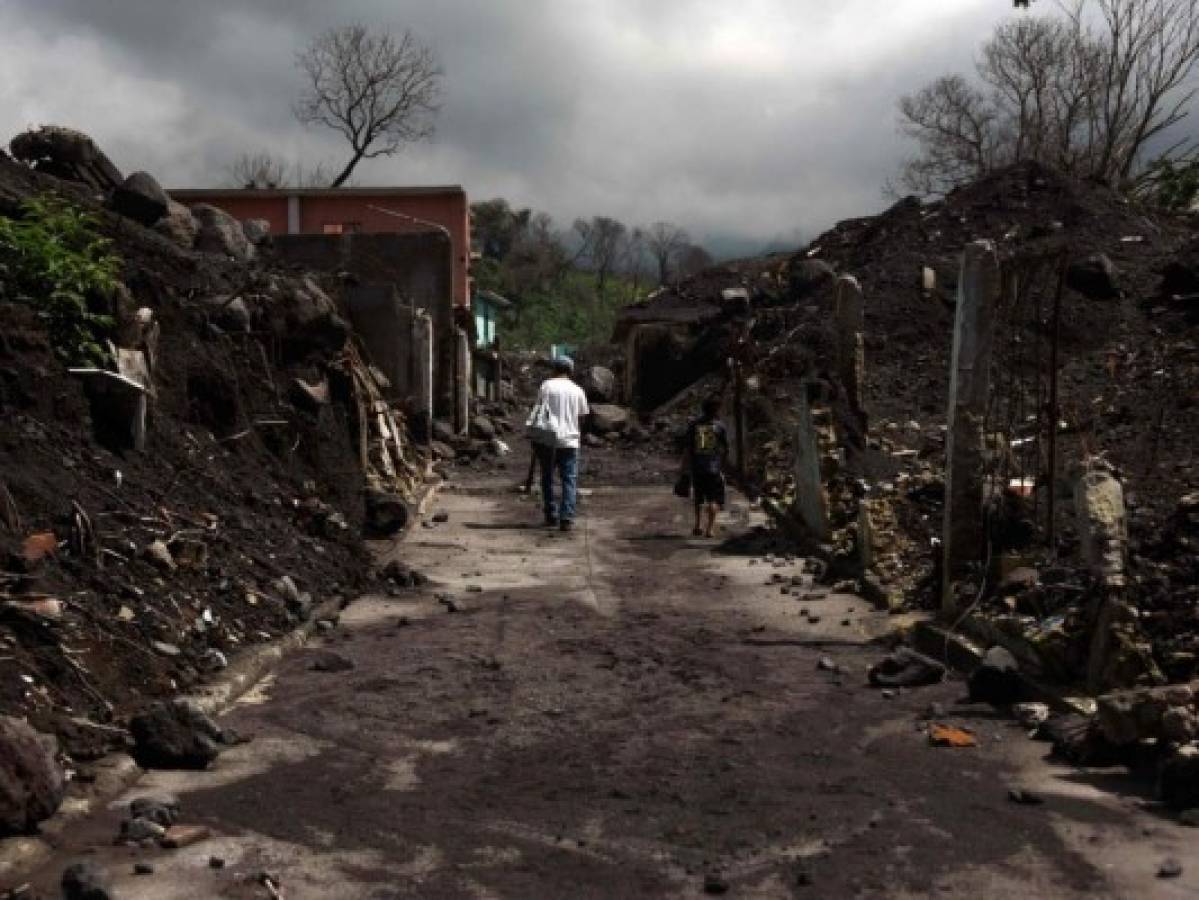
[404, 253]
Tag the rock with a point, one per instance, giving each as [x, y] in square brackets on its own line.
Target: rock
[442, 431]
[482, 428]
[1095, 277]
[599, 384]
[178, 225]
[1024, 797]
[165, 649]
[1102, 524]
[1077, 740]
[906, 668]
[714, 884]
[1169, 868]
[442, 450]
[159, 554]
[141, 198]
[1125, 717]
[175, 735]
[809, 275]
[143, 868]
[163, 811]
[32, 783]
[66, 153]
[219, 232]
[1031, 715]
[441, 517]
[386, 513]
[216, 862]
[607, 418]
[328, 661]
[138, 830]
[997, 679]
[256, 230]
[1189, 818]
[85, 881]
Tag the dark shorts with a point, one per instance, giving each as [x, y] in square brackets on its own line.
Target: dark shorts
[707, 487]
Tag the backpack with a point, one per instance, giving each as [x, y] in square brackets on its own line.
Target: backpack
[542, 426]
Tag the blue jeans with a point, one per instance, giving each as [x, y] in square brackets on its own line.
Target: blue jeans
[566, 461]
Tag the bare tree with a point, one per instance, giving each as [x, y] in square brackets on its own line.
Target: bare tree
[602, 246]
[693, 259]
[379, 91]
[665, 241]
[257, 170]
[1087, 91]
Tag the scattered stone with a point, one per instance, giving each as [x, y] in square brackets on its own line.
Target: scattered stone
[85, 881]
[714, 884]
[826, 664]
[175, 735]
[607, 418]
[32, 783]
[600, 384]
[997, 679]
[159, 554]
[890, 694]
[165, 649]
[214, 660]
[1189, 817]
[179, 836]
[1169, 868]
[1031, 715]
[328, 661]
[178, 225]
[441, 517]
[451, 605]
[141, 198]
[138, 830]
[215, 862]
[163, 811]
[219, 232]
[386, 513]
[906, 668]
[143, 868]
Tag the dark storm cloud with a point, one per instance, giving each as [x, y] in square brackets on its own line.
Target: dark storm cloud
[752, 119]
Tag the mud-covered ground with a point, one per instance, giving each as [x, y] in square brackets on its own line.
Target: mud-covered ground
[624, 712]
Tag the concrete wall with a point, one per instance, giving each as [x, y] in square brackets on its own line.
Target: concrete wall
[361, 210]
[394, 272]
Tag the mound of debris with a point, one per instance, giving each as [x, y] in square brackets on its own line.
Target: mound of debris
[201, 492]
[1127, 375]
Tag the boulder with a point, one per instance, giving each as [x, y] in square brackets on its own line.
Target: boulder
[442, 450]
[32, 783]
[607, 418]
[386, 513]
[141, 198]
[68, 154]
[600, 384]
[303, 316]
[906, 668]
[1180, 278]
[175, 735]
[482, 428]
[1095, 277]
[219, 232]
[997, 679]
[809, 275]
[256, 230]
[85, 881]
[1126, 717]
[178, 225]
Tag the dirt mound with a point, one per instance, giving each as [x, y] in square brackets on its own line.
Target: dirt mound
[132, 575]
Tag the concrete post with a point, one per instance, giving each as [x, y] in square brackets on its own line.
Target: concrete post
[850, 323]
[969, 387]
[811, 502]
[462, 381]
[422, 353]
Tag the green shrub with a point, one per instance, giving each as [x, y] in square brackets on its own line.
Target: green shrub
[54, 260]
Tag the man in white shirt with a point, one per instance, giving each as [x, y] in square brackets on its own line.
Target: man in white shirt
[568, 404]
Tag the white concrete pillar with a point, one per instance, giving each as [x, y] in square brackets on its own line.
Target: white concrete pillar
[811, 501]
[422, 354]
[462, 381]
[850, 325]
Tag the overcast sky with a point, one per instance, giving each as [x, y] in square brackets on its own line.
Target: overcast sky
[756, 119]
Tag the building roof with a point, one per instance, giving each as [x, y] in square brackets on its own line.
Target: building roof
[268, 193]
[494, 299]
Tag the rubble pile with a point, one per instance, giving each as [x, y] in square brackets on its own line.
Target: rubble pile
[1128, 374]
[201, 494]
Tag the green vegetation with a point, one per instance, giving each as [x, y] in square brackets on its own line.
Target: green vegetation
[569, 287]
[1171, 184]
[54, 260]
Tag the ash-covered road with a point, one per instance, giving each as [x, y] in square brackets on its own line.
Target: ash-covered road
[623, 712]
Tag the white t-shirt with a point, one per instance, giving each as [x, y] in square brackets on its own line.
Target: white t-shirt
[568, 403]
